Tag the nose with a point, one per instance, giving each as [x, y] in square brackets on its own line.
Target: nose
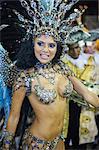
[76, 52]
[46, 48]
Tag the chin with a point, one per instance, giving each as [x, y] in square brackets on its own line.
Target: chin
[74, 57]
[44, 61]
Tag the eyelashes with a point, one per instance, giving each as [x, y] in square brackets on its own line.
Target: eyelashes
[50, 45]
[40, 43]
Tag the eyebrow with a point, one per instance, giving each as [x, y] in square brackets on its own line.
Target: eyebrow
[45, 42]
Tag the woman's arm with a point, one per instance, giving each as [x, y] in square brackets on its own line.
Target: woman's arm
[89, 96]
[17, 100]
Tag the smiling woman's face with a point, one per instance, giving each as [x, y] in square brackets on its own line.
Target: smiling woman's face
[45, 48]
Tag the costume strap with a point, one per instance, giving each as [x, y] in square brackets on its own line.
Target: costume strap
[23, 79]
[64, 69]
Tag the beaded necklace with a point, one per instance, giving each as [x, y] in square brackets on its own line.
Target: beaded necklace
[45, 70]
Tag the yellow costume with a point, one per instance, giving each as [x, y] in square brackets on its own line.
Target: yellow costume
[88, 128]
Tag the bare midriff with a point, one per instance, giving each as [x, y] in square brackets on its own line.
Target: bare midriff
[49, 119]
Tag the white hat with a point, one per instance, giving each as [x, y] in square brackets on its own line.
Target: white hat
[89, 43]
[81, 43]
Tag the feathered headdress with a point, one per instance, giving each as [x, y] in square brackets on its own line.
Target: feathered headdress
[49, 17]
[8, 70]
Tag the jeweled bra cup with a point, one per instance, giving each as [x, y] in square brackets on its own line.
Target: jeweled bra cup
[45, 96]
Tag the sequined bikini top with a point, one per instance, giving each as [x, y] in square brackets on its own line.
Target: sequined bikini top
[46, 96]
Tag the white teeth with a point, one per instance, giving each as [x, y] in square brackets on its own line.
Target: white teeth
[44, 56]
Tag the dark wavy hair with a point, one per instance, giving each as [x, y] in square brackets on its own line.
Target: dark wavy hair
[26, 58]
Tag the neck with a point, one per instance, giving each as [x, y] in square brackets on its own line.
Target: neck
[40, 65]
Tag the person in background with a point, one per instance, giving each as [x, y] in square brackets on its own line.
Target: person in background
[76, 60]
[74, 110]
